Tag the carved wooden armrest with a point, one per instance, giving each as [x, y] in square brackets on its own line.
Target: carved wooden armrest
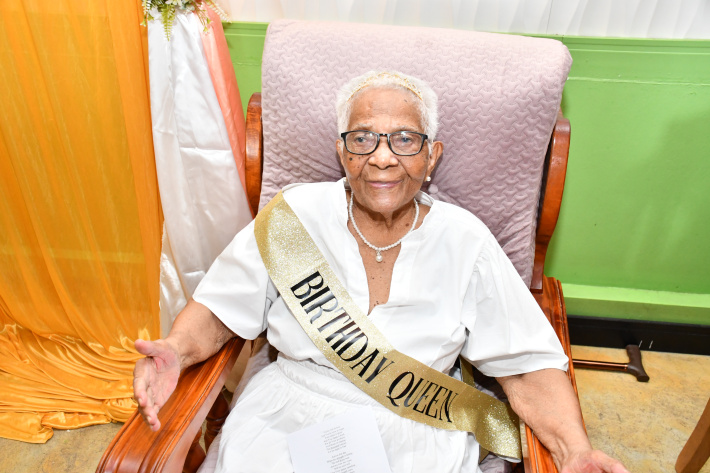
[547, 290]
[254, 152]
[136, 449]
[554, 174]
[538, 459]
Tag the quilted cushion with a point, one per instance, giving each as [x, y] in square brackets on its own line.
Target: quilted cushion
[498, 100]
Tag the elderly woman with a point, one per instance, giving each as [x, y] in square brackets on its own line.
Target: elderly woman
[428, 276]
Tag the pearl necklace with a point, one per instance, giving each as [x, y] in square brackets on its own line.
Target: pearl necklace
[379, 250]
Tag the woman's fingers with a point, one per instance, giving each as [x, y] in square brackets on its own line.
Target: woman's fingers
[155, 426]
[141, 374]
[151, 411]
[150, 416]
[145, 400]
[144, 392]
[145, 347]
[608, 464]
[594, 461]
[614, 466]
[139, 391]
[154, 378]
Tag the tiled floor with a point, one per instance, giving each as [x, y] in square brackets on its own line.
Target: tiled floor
[643, 424]
[76, 451]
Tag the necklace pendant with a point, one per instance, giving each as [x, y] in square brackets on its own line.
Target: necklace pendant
[378, 251]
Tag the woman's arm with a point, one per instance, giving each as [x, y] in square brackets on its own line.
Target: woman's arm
[546, 402]
[196, 335]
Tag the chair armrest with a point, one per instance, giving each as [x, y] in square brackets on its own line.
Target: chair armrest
[537, 458]
[553, 183]
[254, 153]
[136, 449]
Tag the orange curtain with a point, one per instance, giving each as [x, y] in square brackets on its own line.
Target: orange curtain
[79, 213]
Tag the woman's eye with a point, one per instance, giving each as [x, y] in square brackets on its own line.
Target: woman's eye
[403, 138]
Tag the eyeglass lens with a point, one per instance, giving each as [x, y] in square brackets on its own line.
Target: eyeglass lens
[403, 142]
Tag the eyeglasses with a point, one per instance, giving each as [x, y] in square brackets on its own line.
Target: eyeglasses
[402, 143]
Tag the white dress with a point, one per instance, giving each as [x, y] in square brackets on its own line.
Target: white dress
[453, 292]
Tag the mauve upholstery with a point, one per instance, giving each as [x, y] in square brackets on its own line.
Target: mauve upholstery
[498, 101]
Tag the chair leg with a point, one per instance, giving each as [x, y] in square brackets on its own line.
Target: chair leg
[195, 456]
[697, 448]
[634, 366]
[215, 419]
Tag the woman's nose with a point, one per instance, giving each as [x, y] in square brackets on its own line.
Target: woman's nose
[383, 156]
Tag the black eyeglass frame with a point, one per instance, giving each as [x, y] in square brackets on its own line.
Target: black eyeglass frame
[389, 143]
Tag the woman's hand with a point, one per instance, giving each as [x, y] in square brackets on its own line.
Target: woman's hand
[155, 378]
[196, 335]
[592, 461]
[546, 401]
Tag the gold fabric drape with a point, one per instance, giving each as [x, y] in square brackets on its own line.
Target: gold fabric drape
[79, 213]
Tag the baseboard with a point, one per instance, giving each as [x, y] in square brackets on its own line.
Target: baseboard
[637, 304]
[650, 336]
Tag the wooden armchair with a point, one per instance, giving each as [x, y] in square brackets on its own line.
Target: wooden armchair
[273, 161]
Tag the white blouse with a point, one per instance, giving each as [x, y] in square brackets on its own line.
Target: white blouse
[453, 290]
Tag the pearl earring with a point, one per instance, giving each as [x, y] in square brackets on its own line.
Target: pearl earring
[428, 178]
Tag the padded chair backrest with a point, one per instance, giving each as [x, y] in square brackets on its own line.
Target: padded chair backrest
[498, 101]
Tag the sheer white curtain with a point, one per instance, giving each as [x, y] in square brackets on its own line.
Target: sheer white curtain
[682, 19]
[203, 200]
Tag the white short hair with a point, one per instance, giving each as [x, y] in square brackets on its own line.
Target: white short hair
[428, 102]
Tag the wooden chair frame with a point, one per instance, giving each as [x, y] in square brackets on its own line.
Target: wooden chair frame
[175, 447]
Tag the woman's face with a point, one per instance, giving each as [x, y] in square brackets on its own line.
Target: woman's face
[382, 181]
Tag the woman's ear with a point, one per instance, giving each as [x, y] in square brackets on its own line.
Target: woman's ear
[437, 149]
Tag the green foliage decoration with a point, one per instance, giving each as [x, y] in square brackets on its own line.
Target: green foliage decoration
[168, 10]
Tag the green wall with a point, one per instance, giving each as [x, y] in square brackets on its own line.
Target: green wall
[246, 43]
[633, 239]
[637, 199]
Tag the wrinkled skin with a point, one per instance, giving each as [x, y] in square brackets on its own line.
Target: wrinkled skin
[196, 335]
[155, 378]
[385, 184]
[592, 461]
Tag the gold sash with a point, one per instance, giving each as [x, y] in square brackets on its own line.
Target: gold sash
[356, 347]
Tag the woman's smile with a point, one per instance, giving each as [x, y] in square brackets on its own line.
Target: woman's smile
[384, 184]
